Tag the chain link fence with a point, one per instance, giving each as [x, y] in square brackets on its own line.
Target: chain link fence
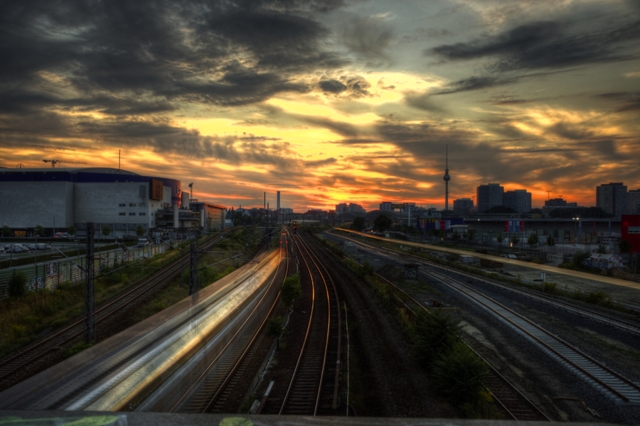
[48, 275]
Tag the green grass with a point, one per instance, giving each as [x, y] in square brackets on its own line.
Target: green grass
[24, 319]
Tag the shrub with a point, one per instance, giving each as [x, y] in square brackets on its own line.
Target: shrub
[366, 270]
[458, 374]
[274, 326]
[549, 287]
[291, 290]
[17, 284]
[599, 298]
[579, 258]
[77, 348]
[436, 333]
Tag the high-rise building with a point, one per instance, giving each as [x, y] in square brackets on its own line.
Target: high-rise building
[612, 198]
[488, 196]
[633, 201]
[350, 208]
[559, 202]
[386, 205]
[462, 206]
[518, 200]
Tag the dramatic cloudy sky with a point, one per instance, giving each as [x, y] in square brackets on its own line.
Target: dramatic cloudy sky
[328, 102]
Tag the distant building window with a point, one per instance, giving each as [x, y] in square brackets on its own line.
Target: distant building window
[132, 204]
[123, 204]
[122, 214]
[143, 214]
[132, 214]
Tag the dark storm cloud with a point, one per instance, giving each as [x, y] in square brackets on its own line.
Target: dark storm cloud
[368, 37]
[421, 101]
[469, 154]
[339, 127]
[511, 101]
[332, 86]
[474, 83]
[571, 131]
[320, 163]
[625, 101]
[146, 57]
[545, 44]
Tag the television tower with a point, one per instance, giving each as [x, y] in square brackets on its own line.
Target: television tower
[446, 179]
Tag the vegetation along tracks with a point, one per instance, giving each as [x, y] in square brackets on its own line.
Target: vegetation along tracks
[610, 383]
[512, 401]
[614, 321]
[34, 357]
[311, 388]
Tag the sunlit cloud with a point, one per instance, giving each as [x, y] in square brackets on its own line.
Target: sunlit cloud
[328, 102]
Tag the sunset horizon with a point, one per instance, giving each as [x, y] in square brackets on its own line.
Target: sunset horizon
[331, 101]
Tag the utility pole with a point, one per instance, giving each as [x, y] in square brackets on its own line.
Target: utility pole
[193, 272]
[89, 300]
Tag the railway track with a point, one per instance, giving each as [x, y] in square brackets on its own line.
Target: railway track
[608, 382]
[222, 378]
[509, 398]
[311, 387]
[614, 321]
[611, 384]
[38, 355]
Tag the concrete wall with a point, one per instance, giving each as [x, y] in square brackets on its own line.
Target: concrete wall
[104, 203]
[27, 204]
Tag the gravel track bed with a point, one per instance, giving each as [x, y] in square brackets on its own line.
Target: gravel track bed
[390, 383]
[542, 379]
[285, 359]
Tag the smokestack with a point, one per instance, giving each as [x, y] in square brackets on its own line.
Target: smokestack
[265, 201]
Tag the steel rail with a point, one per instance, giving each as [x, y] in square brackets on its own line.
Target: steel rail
[60, 337]
[609, 380]
[567, 306]
[337, 324]
[527, 401]
[308, 332]
[205, 372]
[304, 343]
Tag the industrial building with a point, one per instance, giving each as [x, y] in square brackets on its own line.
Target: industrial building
[58, 198]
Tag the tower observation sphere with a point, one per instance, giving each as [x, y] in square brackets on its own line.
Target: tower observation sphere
[446, 179]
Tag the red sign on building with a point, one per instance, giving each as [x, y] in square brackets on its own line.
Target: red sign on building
[631, 231]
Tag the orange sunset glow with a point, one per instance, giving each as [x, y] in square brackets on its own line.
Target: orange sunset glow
[330, 102]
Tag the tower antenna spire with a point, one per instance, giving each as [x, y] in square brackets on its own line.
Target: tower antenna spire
[446, 178]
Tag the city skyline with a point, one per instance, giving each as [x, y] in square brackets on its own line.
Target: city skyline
[329, 102]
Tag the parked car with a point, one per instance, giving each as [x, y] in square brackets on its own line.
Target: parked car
[18, 248]
[1, 249]
[31, 247]
[142, 242]
[42, 246]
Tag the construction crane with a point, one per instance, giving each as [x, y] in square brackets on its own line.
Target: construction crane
[54, 162]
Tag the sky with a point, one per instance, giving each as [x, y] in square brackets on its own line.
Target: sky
[328, 101]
